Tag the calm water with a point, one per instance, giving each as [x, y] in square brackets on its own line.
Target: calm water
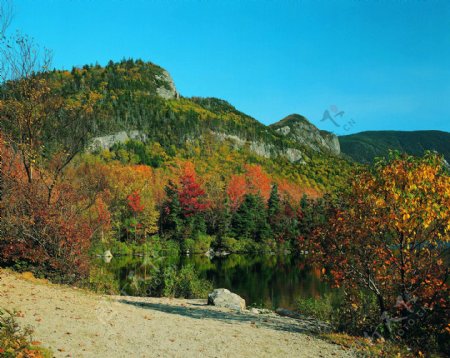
[264, 281]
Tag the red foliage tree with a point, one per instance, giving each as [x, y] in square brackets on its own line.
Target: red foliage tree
[192, 197]
[134, 202]
[52, 237]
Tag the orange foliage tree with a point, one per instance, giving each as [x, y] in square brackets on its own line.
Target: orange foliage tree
[123, 196]
[254, 181]
[391, 236]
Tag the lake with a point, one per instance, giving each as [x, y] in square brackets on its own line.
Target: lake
[269, 281]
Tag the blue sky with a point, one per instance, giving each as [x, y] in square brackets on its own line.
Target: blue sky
[386, 64]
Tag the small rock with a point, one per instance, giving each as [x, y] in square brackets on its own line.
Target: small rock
[288, 313]
[265, 311]
[107, 256]
[221, 297]
[209, 253]
[222, 253]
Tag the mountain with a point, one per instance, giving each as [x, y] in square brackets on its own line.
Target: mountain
[300, 130]
[365, 146]
[139, 110]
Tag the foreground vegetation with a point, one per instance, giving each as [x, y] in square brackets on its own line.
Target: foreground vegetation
[16, 342]
[386, 244]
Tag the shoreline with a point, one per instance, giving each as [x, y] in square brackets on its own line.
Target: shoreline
[75, 322]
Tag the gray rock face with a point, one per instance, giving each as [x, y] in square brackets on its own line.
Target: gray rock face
[305, 133]
[294, 155]
[106, 142]
[262, 149]
[168, 90]
[332, 141]
[221, 297]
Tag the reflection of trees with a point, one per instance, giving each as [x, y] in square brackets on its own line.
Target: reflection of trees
[201, 263]
[270, 281]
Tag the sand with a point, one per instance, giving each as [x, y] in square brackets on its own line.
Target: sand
[77, 323]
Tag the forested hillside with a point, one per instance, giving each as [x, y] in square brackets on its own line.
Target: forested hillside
[102, 155]
[208, 131]
[365, 146]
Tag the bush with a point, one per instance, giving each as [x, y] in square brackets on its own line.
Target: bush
[42, 235]
[15, 341]
[241, 245]
[185, 283]
[320, 308]
[200, 245]
[349, 313]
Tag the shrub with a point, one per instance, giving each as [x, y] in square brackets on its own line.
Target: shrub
[44, 233]
[389, 235]
[185, 283]
[199, 245]
[15, 341]
[320, 308]
[241, 245]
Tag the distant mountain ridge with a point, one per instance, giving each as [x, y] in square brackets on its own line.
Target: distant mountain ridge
[364, 147]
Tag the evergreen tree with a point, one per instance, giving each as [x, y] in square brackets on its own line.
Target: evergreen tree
[224, 218]
[273, 207]
[250, 220]
[171, 221]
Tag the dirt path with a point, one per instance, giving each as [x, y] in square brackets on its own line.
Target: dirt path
[76, 323]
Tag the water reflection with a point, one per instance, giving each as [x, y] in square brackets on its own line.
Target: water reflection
[265, 281]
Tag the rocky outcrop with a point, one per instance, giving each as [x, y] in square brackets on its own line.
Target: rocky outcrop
[294, 155]
[106, 142]
[262, 149]
[167, 90]
[221, 297]
[332, 141]
[299, 129]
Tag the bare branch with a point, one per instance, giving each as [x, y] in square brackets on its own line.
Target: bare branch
[6, 16]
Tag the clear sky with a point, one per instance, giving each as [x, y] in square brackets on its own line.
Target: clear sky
[386, 64]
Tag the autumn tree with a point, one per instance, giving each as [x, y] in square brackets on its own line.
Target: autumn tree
[192, 196]
[42, 223]
[236, 190]
[52, 239]
[254, 181]
[40, 119]
[124, 192]
[257, 181]
[390, 236]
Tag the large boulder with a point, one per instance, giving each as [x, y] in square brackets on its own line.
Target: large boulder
[221, 297]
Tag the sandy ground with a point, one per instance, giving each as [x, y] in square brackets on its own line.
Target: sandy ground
[77, 323]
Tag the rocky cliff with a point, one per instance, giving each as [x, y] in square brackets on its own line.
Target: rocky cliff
[300, 130]
[142, 103]
[167, 90]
